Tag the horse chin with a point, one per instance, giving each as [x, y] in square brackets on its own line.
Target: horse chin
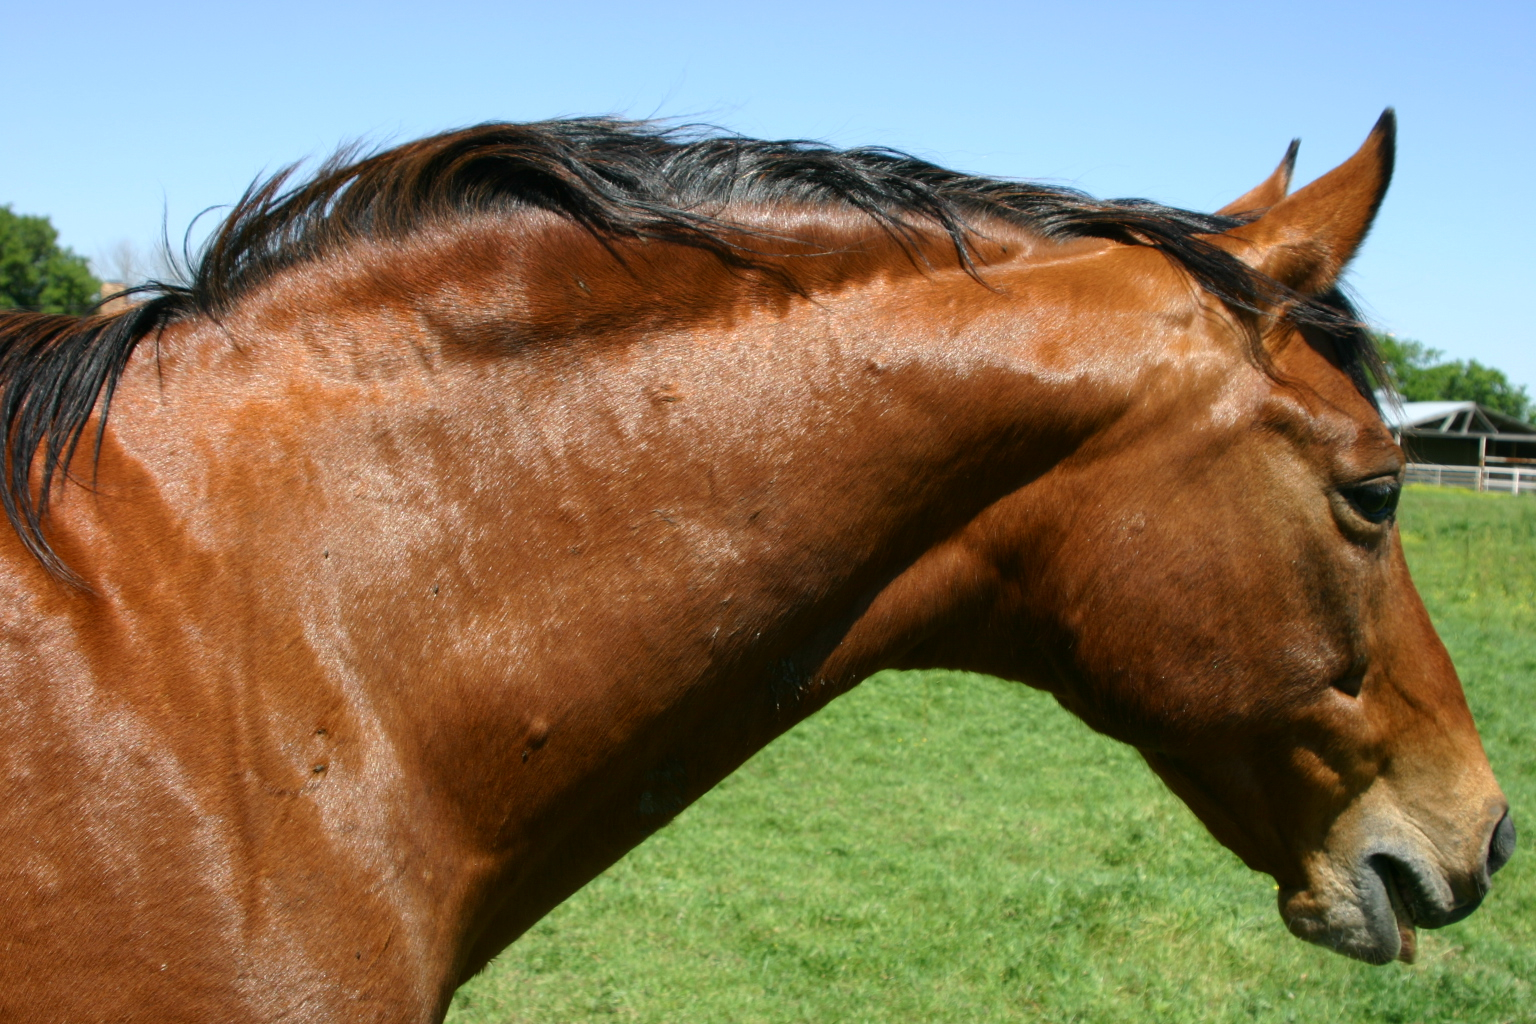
[1361, 914]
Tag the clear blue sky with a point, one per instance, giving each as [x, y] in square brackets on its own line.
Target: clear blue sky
[118, 114]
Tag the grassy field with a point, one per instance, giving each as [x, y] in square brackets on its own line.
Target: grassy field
[941, 847]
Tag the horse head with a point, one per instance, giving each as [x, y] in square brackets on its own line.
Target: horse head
[1217, 579]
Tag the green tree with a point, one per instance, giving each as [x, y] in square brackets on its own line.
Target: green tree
[1422, 374]
[36, 273]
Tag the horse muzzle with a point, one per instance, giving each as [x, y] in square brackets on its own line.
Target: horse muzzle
[1372, 909]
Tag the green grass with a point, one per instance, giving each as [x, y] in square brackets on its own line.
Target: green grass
[942, 847]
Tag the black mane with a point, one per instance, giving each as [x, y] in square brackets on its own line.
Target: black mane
[618, 179]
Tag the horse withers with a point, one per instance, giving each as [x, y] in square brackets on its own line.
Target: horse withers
[475, 506]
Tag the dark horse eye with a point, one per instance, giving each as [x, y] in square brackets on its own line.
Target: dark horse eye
[1376, 500]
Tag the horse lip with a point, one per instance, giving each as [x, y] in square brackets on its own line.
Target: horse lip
[1415, 897]
[1458, 913]
[1367, 927]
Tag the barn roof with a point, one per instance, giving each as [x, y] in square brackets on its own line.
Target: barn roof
[1451, 418]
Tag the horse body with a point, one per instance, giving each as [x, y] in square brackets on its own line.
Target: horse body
[439, 572]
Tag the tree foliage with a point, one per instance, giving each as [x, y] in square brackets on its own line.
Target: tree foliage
[1423, 374]
[36, 273]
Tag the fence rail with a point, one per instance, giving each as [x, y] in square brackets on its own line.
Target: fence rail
[1508, 479]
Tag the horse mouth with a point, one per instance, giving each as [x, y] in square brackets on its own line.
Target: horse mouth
[1414, 902]
[1370, 906]
[1407, 928]
[1375, 919]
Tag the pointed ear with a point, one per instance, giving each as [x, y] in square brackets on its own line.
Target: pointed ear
[1267, 192]
[1305, 240]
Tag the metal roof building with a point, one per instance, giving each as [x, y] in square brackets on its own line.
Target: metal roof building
[1464, 444]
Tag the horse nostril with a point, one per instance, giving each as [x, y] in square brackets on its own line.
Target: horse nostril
[1502, 846]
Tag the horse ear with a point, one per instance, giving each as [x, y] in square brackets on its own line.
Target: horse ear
[1305, 240]
[1267, 192]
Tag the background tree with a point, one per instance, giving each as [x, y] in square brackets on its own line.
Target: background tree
[36, 273]
[1422, 374]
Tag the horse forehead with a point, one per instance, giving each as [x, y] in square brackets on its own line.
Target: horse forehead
[1312, 401]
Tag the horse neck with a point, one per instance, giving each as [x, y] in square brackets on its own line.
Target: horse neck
[596, 557]
[500, 596]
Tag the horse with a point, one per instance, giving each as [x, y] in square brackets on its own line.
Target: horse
[471, 507]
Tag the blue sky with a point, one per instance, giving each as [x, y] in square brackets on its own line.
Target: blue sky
[119, 115]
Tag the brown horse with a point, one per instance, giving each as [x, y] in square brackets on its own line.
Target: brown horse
[481, 503]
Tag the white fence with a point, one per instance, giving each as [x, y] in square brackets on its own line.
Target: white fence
[1508, 479]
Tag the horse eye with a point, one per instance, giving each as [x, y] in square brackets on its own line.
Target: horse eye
[1375, 501]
